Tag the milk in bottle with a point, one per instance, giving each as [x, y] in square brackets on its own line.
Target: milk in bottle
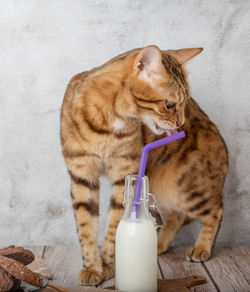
[136, 244]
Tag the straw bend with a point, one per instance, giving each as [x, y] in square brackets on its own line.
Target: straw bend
[143, 161]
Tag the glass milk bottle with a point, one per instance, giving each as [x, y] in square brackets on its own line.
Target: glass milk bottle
[136, 243]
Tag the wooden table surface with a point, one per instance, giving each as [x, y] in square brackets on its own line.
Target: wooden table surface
[228, 269]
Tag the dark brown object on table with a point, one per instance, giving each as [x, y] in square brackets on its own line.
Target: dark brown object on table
[20, 272]
[177, 285]
[19, 254]
[6, 282]
[17, 284]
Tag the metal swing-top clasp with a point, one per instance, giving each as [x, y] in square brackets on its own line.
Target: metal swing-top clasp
[155, 212]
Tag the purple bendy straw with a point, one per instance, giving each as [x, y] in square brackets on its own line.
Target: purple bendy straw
[142, 166]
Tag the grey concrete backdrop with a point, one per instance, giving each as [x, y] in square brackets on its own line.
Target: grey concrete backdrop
[43, 43]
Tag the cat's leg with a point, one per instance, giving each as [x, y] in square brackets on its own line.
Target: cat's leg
[114, 217]
[206, 239]
[173, 222]
[117, 173]
[85, 201]
[86, 210]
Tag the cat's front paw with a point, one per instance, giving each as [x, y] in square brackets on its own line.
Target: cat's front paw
[197, 254]
[108, 272]
[89, 277]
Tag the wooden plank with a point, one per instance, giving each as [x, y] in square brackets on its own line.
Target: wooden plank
[243, 264]
[241, 256]
[111, 282]
[225, 272]
[160, 274]
[229, 266]
[65, 262]
[240, 250]
[174, 265]
[108, 283]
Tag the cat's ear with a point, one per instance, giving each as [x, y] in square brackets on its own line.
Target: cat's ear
[148, 62]
[184, 55]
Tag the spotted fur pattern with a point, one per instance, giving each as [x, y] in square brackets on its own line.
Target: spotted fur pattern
[107, 116]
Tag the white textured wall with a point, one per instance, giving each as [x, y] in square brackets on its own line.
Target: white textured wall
[44, 42]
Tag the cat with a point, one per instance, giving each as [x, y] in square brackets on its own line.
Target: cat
[108, 114]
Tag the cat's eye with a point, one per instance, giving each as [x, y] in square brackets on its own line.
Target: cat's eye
[169, 104]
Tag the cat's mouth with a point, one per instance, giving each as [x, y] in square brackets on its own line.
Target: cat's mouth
[168, 131]
[158, 128]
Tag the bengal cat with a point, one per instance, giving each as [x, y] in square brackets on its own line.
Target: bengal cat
[108, 115]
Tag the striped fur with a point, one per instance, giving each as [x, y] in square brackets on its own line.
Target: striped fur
[108, 114]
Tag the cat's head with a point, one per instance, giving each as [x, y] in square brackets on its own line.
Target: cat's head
[159, 89]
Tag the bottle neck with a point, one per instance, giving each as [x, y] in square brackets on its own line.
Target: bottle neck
[142, 210]
[138, 208]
